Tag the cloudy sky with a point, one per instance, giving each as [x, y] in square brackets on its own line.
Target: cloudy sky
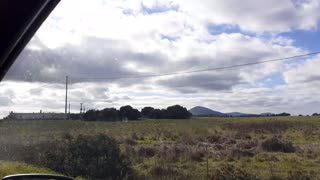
[95, 42]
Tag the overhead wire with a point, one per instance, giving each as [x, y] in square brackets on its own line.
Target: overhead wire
[198, 71]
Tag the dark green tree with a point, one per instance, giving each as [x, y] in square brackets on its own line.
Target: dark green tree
[127, 112]
[157, 114]
[146, 111]
[109, 114]
[90, 115]
[177, 112]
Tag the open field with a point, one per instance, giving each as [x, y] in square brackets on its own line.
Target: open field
[264, 147]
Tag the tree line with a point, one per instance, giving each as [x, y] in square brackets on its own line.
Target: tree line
[130, 113]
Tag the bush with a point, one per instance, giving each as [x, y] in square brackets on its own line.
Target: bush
[146, 151]
[92, 157]
[215, 139]
[251, 144]
[239, 153]
[229, 172]
[171, 153]
[275, 144]
[271, 126]
[163, 172]
[196, 155]
[129, 141]
[299, 175]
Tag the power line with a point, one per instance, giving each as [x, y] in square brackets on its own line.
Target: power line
[200, 70]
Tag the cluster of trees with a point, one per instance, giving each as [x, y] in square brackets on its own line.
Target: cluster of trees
[112, 114]
[129, 113]
[172, 112]
[283, 114]
[316, 114]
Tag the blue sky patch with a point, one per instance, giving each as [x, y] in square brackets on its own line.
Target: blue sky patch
[273, 80]
[170, 38]
[215, 29]
[306, 39]
[158, 9]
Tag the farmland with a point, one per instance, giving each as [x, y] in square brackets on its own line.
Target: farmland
[255, 147]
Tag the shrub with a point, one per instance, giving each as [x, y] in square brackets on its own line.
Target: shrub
[275, 144]
[242, 135]
[238, 153]
[163, 172]
[264, 157]
[229, 172]
[146, 151]
[196, 155]
[252, 144]
[299, 175]
[171, 153]
[129, 141]
[92, 157]
[271, 126]
[215, 139]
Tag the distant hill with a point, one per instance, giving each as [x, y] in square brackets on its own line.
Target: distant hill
[203, 111]
[267, 114]
[239, 114]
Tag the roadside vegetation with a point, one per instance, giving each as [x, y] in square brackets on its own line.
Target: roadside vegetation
[7, 168]
[197, 148]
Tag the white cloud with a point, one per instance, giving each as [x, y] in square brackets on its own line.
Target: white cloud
[307, 71]
[257, 16]
[118, 38]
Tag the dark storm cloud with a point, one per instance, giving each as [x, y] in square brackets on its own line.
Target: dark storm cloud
[93, 58]
[204, 81]
[5, 101]
[97, 58]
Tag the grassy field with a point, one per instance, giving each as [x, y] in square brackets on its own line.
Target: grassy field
[265, 147]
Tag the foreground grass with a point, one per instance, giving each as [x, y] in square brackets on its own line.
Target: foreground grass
[180, 148]
[9, 168]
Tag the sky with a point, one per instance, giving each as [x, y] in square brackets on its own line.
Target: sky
[94, 42]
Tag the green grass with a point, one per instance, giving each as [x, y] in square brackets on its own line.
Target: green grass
[303, 132]
[9, 168]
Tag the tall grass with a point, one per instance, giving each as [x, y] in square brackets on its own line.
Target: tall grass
[179, 148]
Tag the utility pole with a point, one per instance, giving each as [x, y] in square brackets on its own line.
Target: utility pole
[80, 108]
[66, 100]
[69, 110]
[81, 111]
